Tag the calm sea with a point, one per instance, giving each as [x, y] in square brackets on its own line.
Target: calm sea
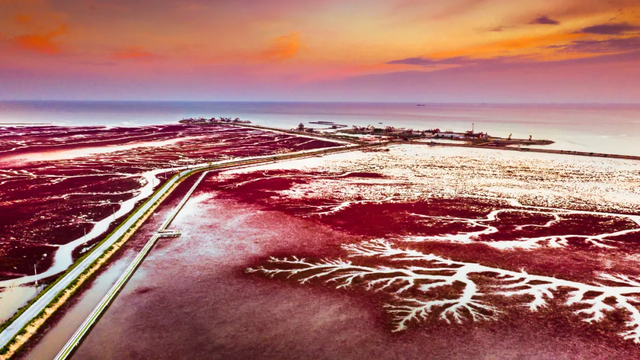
[597, 128]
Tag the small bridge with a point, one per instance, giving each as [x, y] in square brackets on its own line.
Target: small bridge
[169, 233]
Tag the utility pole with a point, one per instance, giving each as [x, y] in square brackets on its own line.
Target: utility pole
[35, 270]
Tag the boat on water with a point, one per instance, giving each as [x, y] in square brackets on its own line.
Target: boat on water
[421, 105]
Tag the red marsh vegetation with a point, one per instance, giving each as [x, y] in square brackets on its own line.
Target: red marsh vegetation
[57, 183]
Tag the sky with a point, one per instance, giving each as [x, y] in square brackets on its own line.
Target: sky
[501, 51]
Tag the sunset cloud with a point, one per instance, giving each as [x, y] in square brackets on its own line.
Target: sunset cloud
[515, 46]
[44, 43]
[424, 61]
[283, 47]
[607, 46]
[286, 43]
[610, 29]
[544, 20]
[462, 61]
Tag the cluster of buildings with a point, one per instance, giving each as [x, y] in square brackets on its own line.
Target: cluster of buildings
[391, 132]
[330, 124]
[467, 135]
[302, 128]
[388, 133]
[411, 133]
[213, 120]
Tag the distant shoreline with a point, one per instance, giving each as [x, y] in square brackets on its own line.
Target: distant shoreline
[467, 145]
[329, 101]
[26, 124]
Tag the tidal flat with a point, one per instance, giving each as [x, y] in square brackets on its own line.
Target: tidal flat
[458, 253]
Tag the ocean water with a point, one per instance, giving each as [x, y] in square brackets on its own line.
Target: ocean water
[597, 128]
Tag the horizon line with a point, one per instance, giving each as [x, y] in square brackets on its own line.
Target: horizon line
[315, 101]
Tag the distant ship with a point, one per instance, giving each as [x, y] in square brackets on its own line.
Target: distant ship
[420, 105]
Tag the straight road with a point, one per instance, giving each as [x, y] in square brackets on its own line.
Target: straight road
[77, 337]
[14, 328]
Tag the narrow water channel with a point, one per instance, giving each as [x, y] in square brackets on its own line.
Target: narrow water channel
[63, 326]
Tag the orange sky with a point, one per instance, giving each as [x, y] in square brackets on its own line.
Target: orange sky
[299, 50]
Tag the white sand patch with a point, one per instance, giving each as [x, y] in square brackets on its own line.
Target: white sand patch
[548, 180]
